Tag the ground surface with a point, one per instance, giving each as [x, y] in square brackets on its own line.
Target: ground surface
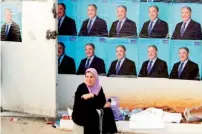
[33, 126]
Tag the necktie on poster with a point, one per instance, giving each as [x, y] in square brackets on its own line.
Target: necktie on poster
[7, 30]
[89, 26]
[59, 61]
[180, 69]
[183, 29]
[119, 27]
[118, 67]
[150, 27]
[149, 67]
[87, 63]
[59, 23]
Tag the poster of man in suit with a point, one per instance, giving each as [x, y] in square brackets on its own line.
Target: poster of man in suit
[185, 68]
[155, 27]
[94, 25]
[11, 17]
[188, 28]
[123, 27]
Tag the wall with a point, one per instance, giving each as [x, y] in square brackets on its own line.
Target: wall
[29, 68]
[137, 92]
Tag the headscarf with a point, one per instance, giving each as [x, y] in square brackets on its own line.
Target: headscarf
[95, 89]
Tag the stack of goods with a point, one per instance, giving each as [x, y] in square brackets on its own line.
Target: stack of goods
[115, 109]
[66, 123]
[193, 115]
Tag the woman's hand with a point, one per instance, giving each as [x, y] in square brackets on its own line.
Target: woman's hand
[87, 96]
[108, 104]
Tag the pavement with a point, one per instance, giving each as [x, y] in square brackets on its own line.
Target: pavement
[28, 126]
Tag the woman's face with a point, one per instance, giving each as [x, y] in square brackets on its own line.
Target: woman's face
[90, 79]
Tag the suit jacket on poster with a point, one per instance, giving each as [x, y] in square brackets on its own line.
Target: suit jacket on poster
[99, 28]
[68, 27]
[160, 30]
[192, 32]
[127, 68]
[190, 71]
[128, 29]
[159, 69]
[13, 35]
[97, 63]
[67, 66]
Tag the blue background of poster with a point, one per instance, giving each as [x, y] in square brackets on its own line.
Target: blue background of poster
[137, 11]
[136, 48]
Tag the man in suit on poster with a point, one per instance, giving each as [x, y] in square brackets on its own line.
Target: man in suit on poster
[155, 27]
[91, 61]
[66, 25]
[185, 68]
[123, 27]
[154, 67]
[188, 29]
[123, 65]
[93, 26]
[10, 31]
[66, 64]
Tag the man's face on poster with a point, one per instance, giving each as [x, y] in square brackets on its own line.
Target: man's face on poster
[8, 15]
[153, 13]
[61, 11]
[89, 50]
[120, 53]
[185, 14]
[121, 13]
[60, 50]
[152, 53]
[92, 12]
[183, 55]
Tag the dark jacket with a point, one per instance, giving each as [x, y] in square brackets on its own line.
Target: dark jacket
[68, 27]
[160, 30]
[97, 64]
[190, 71]
[192, 32]
[99, 28]
[85, 114]
[67, 66]
[13, 35]
[128, 29]
[128, 68]
[159, 69]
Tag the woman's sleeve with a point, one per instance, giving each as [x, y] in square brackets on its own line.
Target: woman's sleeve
[77, 99]
[102, 98]
[97, 102]
[78, 107]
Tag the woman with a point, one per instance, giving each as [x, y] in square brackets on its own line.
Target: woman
[91, 113]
